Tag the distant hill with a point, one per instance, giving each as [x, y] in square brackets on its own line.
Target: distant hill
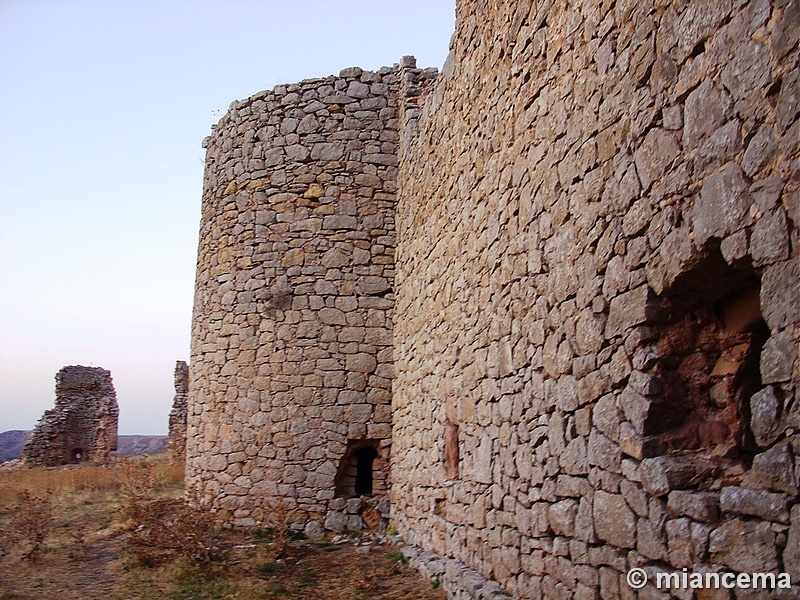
[11, 443]
[134, 445]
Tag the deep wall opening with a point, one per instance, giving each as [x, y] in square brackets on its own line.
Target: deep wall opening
[364, 457]
[707, 366]
[360, 472]
[451, 451]
[77, 455]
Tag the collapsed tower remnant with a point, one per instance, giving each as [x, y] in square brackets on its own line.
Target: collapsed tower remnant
[83, 425]
[176, 444]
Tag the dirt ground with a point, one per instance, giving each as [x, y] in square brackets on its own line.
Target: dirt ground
[86, 556]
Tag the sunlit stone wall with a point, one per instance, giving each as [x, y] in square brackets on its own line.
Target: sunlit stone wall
[597, 314]
[292, 336]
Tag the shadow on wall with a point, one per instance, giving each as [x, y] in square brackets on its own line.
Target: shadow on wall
[700, 366]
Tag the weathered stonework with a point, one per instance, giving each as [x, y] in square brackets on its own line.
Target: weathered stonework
[597, 281]
[83, 425]
[592, 306]
[176, 442]
[292, 338]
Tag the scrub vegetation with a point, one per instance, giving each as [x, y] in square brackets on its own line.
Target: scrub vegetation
[130, 531]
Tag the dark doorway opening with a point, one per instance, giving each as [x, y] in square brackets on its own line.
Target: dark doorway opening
[364, 458]
[361, 470]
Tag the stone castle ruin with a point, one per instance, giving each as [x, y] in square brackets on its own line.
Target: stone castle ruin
[541, 309]
[292, 356]
[82, 427]
[176, 440]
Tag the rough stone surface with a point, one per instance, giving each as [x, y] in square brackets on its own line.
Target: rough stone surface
[82, 427]
[614, 522]
[461, 582]
[755, 503]
[774, 470]
[744, 546]
[791, 554]
[292, 334]
[588, 188]
[765, 412]
[702, 507]
[779, 353]
[176, 442]
[592, 256]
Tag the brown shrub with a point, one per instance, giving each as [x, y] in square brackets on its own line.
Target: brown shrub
[31, 520]
[161, 530]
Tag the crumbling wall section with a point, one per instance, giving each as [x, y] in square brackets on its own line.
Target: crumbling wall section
[598, 273]
[176, 442]
[292, 330]
[82, 427]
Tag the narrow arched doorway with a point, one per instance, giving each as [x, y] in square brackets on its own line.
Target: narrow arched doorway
[360, 470]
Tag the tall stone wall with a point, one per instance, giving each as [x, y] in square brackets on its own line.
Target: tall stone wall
[176, 442]
[290, 387]
[82, 427]
[597, 314]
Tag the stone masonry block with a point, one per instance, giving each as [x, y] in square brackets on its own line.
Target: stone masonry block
[770, 242]
[630, 309]
[722, 205]
[765, 414]
[780, 289]
[665, 473]
[791, 553]
[700, 506]
[755, 503]
[744, 546]
[614, 521]
[777, 357]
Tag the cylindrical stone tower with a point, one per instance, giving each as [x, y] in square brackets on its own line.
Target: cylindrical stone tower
[291, 361]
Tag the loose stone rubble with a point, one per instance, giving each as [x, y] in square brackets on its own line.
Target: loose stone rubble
[592, 303]
[176, 441]
[82, 427]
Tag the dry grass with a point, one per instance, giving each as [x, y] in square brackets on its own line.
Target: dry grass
[89, 478]
[320, 569]
[85, 549]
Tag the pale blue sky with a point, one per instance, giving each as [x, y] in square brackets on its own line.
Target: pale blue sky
[103, 108]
